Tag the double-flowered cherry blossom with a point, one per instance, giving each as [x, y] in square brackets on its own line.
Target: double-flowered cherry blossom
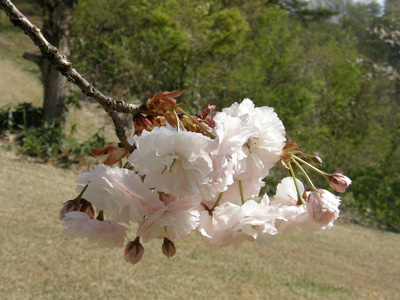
[174, 220]
[173, 162]
[105, 233]
[201, 173]
[232, 224]
[120, 193]
[252, 137]
[319, 212]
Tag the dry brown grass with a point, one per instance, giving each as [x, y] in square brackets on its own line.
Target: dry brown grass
[39, 262]
[17, 86]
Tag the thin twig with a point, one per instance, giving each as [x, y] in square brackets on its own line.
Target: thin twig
[61, 63]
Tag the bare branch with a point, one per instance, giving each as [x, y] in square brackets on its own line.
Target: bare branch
[62, 64]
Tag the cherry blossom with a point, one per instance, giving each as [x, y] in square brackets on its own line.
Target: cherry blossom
[105, 233]
[176, 163]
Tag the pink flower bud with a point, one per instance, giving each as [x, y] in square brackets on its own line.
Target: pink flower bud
[339, 182]
[323, 206]
[134, 251]
[83, 206]
[168, 248]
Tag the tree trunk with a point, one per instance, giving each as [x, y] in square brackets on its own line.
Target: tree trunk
[56, 29]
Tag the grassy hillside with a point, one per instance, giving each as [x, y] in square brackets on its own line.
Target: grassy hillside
[39, 262]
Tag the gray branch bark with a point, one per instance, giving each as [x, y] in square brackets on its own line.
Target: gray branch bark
[63, 65]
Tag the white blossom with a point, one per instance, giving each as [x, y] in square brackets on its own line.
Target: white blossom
[174, 220]
[119, 192]
[238, 192]
[176, 163]
[294, 215]
[253, 138]
[231, 224]
[105, 233]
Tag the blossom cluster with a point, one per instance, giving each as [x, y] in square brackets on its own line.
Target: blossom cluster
[199, 173]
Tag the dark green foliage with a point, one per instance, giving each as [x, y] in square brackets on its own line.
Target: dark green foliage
[46, 140]
[24, 115]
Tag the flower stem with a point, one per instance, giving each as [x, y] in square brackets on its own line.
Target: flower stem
[241, 191]
[198, 123]
[309, 165]
[100, 216]
[79, 197]
[299, 201]
[178, 122]
[216, 203]
[312, 186]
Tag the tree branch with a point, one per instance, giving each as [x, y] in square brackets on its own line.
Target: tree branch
[62, 64]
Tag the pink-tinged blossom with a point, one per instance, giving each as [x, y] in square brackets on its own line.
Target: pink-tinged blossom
[247, 189]
[231, 224]
[253, 138]
[176, 163]
[294, 215]
[175, 219]
[286, 193]
[120, 193]
[339, 182]
[323, 207]
[105, 233]
[263, 149]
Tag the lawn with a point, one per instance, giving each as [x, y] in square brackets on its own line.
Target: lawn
[39, 262]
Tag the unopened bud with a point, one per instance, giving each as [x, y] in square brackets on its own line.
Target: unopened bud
[339, 182]
[168, 248]
[317, 159]
[83, 206]
[158, 121]
[114, 152]
[134, 251]
[142, 123]
[163, 102]
[208, 114]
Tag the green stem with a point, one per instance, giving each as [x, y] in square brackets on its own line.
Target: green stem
[178, 123]
[305, 174]
[198, 123]
[216, 203]
[299, 201]
[241, 191]
[309, 165]
[79, 197]
[100, 216]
